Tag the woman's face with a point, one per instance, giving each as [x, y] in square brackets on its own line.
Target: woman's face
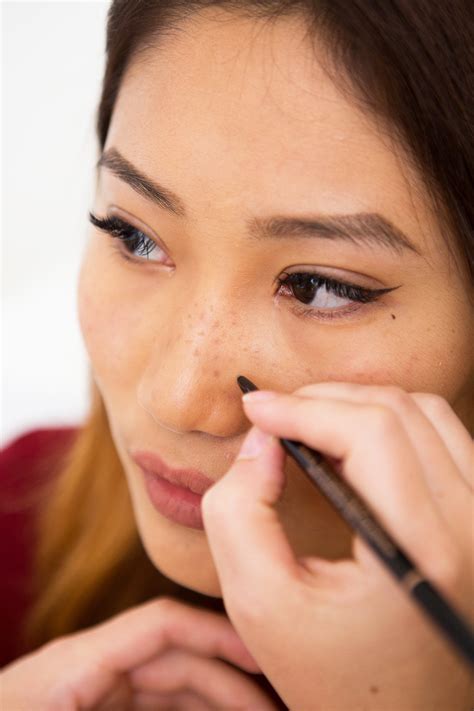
[265, 170]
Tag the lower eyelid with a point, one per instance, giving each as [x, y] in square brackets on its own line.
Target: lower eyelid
[330, 315]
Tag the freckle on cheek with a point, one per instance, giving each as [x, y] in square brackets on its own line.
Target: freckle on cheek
[215, 373]
[393, 316]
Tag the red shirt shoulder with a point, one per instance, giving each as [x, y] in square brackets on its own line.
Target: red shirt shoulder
[26, 462]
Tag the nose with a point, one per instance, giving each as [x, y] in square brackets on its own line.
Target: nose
[189, 382]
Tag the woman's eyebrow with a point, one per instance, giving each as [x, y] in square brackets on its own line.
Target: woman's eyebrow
[123, 169]
[364, 228]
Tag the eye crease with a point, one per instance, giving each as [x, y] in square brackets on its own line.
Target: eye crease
[302, 287]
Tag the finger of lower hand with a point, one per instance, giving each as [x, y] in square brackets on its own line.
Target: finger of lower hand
[181, 701]
[99, 656]
[212, 680]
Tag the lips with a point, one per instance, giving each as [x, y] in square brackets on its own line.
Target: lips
[191, 479]
[175, 493]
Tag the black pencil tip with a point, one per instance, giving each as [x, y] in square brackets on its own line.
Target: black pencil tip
[245, 384]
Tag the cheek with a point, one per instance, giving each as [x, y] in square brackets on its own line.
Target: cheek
[109, 324]
[419, 354]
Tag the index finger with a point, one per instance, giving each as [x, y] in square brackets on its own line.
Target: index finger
[136, 635]
[378, 460]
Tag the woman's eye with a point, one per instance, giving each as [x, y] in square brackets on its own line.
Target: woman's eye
[322, 293]
[135, 243]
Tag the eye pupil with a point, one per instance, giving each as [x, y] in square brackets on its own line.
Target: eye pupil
[304, 287]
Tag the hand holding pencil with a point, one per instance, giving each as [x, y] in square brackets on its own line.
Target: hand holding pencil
[410, 458]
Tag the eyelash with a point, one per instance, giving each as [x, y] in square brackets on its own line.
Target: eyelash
[345, 290]
[127, 234]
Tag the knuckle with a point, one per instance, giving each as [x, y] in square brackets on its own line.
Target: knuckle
[165, 606]
[433, 405]
[72, 650]
[307, 390]
[382, 421]
[397, 396]
[170, 611]
[393, 397]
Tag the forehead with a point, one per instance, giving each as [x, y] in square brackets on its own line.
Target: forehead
[241, 112]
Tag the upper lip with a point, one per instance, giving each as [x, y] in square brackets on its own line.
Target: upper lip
[191, 479]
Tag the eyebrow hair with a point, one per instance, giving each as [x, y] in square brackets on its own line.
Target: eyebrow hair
[364, 228]
[123, 169]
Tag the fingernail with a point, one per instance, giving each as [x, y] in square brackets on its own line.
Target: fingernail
[257, 395]
[253, 444]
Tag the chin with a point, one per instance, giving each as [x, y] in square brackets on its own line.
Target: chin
[195, 572]
[199, 583]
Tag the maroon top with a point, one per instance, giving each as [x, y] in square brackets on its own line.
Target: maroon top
[25, 462]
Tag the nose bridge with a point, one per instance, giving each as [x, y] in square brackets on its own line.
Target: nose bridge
[207, 343]
[189, 383]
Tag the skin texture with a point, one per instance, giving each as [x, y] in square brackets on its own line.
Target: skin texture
[240, 120]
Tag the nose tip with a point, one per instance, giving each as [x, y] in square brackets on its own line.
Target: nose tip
[198, 405]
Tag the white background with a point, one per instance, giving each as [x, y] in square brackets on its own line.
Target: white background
[52, 65]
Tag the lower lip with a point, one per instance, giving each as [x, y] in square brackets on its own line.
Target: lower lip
[174, 502]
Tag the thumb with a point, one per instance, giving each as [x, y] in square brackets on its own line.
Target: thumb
[247, 540]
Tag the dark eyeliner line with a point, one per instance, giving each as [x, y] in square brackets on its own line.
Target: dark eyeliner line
[358, 515]
[339, 288]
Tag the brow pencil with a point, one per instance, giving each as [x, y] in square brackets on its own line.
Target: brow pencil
[358, 515]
